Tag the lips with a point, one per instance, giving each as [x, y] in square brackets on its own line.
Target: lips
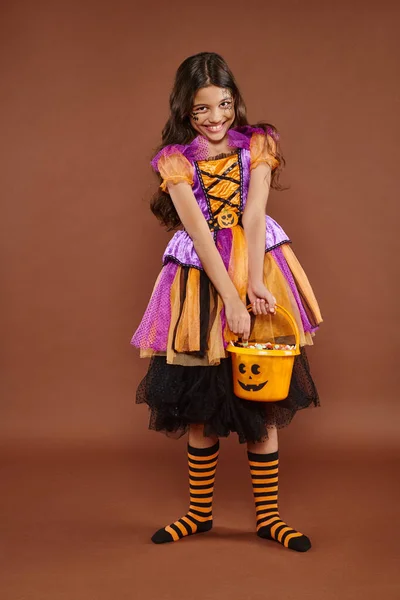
[214, 128]
[251, 387]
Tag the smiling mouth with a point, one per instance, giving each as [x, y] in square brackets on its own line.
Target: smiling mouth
[251, 387]
[214, 128]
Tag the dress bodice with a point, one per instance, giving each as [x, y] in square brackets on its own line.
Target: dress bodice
[220, 186]
[221, 182]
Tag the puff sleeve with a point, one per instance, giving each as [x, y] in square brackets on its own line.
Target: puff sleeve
[173, 166]
[263, 149]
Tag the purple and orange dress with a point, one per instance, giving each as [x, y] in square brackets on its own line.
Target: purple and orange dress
[184, 330]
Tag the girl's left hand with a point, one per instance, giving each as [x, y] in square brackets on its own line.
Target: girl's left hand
[262, 301]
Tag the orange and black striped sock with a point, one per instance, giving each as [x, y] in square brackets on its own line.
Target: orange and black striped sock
[264, 475]
[202, 467]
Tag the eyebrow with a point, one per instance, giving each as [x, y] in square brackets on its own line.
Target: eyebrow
[205, 104]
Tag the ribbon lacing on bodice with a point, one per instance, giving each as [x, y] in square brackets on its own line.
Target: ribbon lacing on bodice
[221, 183]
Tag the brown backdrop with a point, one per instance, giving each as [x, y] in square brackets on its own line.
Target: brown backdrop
[84, 97]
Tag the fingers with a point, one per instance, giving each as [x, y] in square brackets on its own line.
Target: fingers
[263, 307]
[260, 307]
[241, 326]
[246, 330]
[272, 305]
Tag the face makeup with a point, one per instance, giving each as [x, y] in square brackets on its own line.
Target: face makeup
[213, 113]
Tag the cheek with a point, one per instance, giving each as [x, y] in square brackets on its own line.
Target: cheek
[195, 124]
[197, 118]
[229, 113]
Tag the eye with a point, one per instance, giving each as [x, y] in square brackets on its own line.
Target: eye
[255, 369]
[227, 103]
[242, 368]
[199, 109]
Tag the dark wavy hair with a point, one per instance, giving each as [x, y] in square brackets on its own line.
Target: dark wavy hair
[198, 71]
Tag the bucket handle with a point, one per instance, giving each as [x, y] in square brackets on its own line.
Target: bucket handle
[289, 318]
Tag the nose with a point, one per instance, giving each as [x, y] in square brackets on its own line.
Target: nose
[215, 115]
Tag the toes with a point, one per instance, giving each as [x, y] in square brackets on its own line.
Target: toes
[300, 544]
[161, 537]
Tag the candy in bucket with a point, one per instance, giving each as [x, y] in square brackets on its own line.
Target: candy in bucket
[262, 368]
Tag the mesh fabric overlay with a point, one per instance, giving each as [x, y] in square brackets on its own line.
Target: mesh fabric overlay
[152, 332]
[198, 148]
[184, 329]
[179, 395]
[280, 259]
[263, 149]
[185, 317]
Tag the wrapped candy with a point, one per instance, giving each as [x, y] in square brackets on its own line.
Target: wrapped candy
[263, 346]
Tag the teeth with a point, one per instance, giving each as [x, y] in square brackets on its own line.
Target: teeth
[214, 128]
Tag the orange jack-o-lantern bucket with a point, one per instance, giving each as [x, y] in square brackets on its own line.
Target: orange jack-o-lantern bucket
[263, 369]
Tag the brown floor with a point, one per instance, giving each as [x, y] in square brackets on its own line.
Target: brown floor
[76, 526]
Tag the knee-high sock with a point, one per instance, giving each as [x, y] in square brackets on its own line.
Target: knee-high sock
[202, 467]
[264, 470]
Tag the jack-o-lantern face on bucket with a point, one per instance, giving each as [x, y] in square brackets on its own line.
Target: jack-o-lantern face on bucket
[253, 379]
[227, 218]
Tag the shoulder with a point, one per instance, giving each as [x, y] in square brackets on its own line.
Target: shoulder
[197, 149]
[246, 135]
[166, 153]
[173, 165]
[263, 146]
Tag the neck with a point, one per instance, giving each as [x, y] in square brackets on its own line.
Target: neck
[220, 147]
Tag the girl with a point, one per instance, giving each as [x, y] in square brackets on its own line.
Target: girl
[215, 172]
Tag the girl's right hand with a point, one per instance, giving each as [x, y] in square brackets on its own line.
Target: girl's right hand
[238, 318]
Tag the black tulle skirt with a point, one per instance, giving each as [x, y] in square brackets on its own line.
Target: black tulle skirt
[182, 395]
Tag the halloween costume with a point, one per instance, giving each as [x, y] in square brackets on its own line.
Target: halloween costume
[184, 329]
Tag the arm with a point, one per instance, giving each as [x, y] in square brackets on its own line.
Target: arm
[196, 226]
[254, 228]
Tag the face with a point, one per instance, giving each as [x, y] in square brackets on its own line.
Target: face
[252, 377]
[213, 112]
[227, 218]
